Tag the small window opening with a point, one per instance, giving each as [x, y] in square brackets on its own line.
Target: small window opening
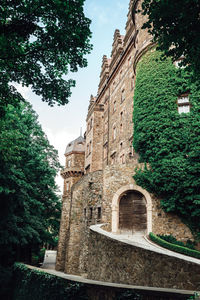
[114, 106]
[123, 96]
[99, 213]
[91, 213]
[114, 133]
[183, 104]
[67, 186]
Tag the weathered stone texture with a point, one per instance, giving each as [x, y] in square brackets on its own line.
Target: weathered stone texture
[63, 233]
[114, 177]
[168, 223]
[113, 261]
[94, 135]
[86, 199]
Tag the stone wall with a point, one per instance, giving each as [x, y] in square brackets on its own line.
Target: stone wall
[94, 138]
[85, 202]
[168, 223]
[117, 176]
[113, 261]
[64, 224]
[78, 159]
[97, 139]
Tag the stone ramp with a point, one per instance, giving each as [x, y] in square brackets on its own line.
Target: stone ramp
[141, 241]
[132, 259]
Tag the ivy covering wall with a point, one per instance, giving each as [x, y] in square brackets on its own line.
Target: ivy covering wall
[38, 285]
[168, 142]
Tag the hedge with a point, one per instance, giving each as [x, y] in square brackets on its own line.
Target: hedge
[37, 285]
[33, 284]
[173, 247]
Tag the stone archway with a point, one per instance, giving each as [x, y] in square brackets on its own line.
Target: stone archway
[131, 199]
[132, 212]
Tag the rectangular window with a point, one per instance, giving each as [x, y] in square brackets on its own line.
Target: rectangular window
[123, 96]
[121, 116]
[90, 147]
[99, 213]
[114, 106]
[67, 186]
[183, 104]
[120, 74]
[122, 159]
[114, 133]
[131, 153]
[121, 128]
[69, 163]
[113, 158]
[105, 151]
[91, 213]
[87, 169]
[106, 126]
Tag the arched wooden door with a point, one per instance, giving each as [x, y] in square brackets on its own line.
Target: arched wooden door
[132, 212]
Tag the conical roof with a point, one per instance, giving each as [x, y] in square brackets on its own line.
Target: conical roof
[78, 145]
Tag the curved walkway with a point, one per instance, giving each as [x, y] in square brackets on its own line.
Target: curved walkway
[141, 241]
[99, 284]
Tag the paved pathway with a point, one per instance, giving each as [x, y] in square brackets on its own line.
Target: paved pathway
[49, 259]
[141, 241]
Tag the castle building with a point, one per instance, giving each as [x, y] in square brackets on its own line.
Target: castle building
[98, 176]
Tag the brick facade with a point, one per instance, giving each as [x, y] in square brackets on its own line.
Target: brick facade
[108, 159]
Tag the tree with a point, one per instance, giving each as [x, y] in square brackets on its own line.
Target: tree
[30, 206]
[40, 41]
[175, 26]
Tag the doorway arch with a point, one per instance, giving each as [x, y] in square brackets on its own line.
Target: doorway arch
[131, 198]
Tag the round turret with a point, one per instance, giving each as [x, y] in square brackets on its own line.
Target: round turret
[78, 145]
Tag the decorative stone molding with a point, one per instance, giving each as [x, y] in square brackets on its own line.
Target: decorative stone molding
[115, 206]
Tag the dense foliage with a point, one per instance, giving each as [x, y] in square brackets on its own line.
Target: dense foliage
[37, 285]
[30, 207]
[175, 25]
[40, 41]
[173, 247]
[168, 141]
[171, 239]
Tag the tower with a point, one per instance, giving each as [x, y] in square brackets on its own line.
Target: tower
[73, 171]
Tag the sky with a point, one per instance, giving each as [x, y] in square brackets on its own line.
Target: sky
[62, 124]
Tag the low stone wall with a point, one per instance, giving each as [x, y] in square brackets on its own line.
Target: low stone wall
[33, 283]
[114, 261]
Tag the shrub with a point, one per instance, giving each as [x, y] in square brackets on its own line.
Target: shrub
[173, 247]
[171, 239]
[37, 285]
